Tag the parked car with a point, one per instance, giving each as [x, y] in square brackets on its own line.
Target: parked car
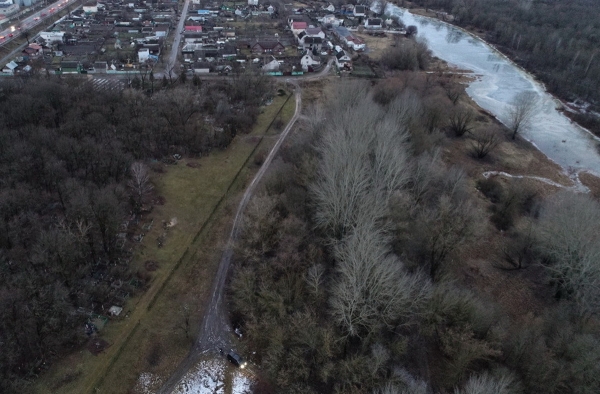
[236, 360]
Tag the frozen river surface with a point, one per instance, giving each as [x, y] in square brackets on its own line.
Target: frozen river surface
[498, 82]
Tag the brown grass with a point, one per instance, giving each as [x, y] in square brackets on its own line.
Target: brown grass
[151, 337]
[592, 182]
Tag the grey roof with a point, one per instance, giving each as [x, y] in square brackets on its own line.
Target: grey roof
[313, 40]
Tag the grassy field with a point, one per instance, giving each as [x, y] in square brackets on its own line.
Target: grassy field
[161, 322]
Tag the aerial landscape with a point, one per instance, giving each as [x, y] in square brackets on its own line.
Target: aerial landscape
[264, 197]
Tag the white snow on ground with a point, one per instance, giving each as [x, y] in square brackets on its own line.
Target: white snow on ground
[206, 378]
[147, 383]
[241, 384]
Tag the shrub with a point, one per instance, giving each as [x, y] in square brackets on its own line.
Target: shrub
[491, 188]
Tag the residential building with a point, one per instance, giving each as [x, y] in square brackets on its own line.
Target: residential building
[268, 47]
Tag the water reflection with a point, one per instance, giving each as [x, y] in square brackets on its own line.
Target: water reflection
[454, 36]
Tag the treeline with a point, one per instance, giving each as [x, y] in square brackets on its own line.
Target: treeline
[348, 276]
[556, 40]
[71, 177]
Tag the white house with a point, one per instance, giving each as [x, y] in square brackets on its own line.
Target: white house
[329, 8]
[374, 24]
[143, 55]
[90, 9]
[332, 20]
[252, 2]
[342, 60]
[355, 43]
[9, 68]
[359, 11]
[52, 36]
[315, 32]
[309, 60]
[273, 65]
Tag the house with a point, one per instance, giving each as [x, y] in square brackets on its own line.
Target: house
[101, 67]
[309, 61]
[268, 47]
[33, 50]
[90, 9]
[355, 43]
[193, 37]
[10, 68]
[273, 65]
[202, 68]
[359, 11]
[312, 44]
[197, 29]
[253, 2]
[331, 20]
[67, 67]
[315, 32]
[143, 55]
[228, 52]
[343, 61]
[52, 36]
[298, 27]
[161, 30]
[223, 68]
[329, 8]
[374, 24]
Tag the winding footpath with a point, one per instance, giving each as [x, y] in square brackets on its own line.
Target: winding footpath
[215, 331]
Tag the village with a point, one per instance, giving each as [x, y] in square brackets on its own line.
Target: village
[127, 38]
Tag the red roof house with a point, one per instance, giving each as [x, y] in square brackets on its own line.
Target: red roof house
[197, 29]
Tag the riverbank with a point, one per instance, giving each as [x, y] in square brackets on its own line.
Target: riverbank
[577, 111]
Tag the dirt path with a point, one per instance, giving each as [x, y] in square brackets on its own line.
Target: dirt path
[215, 330]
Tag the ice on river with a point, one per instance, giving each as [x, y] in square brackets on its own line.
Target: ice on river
[497, 84]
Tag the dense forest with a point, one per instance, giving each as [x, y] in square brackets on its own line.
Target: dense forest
[351, 273]
[556, 40]
[74, 175]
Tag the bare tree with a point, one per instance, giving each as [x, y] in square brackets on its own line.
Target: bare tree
[363, 161]
[442, 229]
[487, 383]
[569, 235]
[372, 289]
[484, 142]
[139, 183]
[461, 122]
[521, 112]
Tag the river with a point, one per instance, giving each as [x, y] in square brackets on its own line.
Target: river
[497, 84]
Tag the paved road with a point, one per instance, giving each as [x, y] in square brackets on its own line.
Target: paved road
[27, 24]
[215, 331]
[17, 27]
[172, 59]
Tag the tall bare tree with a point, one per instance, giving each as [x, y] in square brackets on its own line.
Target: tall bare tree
[139, 183]
[569, 234]
[521, 112]
[487, 383]
[372, 289]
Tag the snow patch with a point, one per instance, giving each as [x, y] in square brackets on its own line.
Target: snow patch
[147, 383]
[215, 377]
[206, 378]
[241, 384]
